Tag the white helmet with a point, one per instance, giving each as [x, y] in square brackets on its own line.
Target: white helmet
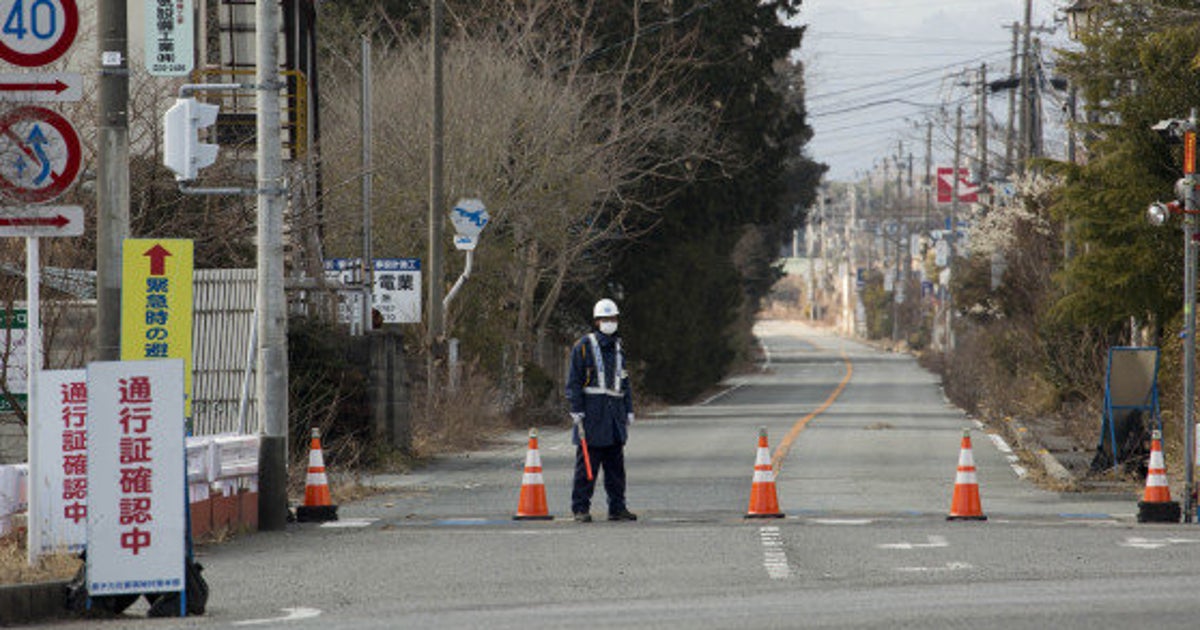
[605, 308]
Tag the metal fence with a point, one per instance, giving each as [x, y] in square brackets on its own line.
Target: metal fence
[222, 349]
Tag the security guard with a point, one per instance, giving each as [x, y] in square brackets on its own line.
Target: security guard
[601, 410]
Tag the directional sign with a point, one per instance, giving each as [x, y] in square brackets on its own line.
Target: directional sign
[41, 86]
[37, 32]
[469, 217]
[41, 221]
[41, 153]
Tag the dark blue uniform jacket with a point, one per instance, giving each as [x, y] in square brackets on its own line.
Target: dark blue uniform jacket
[604, 415]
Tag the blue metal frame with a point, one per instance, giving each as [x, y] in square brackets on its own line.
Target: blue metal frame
[1109, 407]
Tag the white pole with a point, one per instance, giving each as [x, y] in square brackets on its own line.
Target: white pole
[33, 365]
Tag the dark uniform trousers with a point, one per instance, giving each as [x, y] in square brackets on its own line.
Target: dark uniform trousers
[612, 460]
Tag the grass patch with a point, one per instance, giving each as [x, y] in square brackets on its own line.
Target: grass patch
[15, 569]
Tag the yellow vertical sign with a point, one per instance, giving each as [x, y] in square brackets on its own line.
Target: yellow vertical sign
[156, 304]
[1189, 152]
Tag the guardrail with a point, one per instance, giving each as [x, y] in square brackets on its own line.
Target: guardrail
[222, 477]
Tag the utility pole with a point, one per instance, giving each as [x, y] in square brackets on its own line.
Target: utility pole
[1010, 133]
[928, 174]
[436, 138]
[953, 236]
[112, 173]
[1024, 147]
[1189, 310]
[983, 128]
[850, 300]
[368, 175]
[271, 377]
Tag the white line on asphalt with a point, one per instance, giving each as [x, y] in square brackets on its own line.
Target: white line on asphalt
[935, 542]
[842, 521]
[774, 557]
[349, 522]
[997, 440]
[1138, 542]
[950, 566]
[293, 614]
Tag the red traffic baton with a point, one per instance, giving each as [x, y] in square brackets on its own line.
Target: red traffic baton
[587, 460]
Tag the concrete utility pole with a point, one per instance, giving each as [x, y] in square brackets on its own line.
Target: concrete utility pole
[436, 140]
[368, 176]
[1010, 133]
[1024, 146]
[983, 127]
[928, 175]
[953, 236]
[271, 377]
[112, 174]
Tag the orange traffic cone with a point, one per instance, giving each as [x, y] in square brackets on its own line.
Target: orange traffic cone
[1156, 505]
[318, 507]
[532, 506]
[763, 502]
[965, 505]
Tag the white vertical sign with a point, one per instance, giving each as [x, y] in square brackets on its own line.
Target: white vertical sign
[136, 462]
[58, 470]
[169, 37]
[397, 291]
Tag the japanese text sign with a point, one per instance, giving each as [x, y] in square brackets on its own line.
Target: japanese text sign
[156, 303]
[136, 461]
[60, 476]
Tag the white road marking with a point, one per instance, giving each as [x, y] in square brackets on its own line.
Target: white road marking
[842, 521]
[1000, 443]
[349, 522]
[935, 542]
[293, 614]
[1137, 542]
[774, 557]
[949, 566]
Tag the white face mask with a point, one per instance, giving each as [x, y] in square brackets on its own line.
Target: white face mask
[608, 327]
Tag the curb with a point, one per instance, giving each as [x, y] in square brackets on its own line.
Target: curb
[1025, 440]
[27, 603]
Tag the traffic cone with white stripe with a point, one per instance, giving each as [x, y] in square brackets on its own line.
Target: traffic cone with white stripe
[763, 501]
[532, 506]
[318, 506]
[1156, 505]
[965, 506]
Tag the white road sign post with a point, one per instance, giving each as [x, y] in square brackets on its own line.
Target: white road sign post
[136, 539]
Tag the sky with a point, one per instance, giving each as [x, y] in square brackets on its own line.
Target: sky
[878, 70]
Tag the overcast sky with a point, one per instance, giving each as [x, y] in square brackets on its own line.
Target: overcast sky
[912, 54]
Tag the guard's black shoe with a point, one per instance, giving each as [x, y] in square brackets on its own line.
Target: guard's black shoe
[623, 515]
[583, 517]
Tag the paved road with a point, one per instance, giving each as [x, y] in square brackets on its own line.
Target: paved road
[866, 485]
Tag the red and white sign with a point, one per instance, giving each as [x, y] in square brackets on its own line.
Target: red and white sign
[968, 191]
[41, 221]
[136, 476]
[37, 32]
[42, 154]
[58, 516]
[46, 86]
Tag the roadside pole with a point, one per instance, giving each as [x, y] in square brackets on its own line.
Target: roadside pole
[1189, 316]
[270, 302]
[112, 174]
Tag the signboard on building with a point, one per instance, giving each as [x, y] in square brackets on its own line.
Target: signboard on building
[136, 453]
[60, 472]
[156, 303]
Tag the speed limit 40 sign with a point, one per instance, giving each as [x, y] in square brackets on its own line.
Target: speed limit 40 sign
[36, 32]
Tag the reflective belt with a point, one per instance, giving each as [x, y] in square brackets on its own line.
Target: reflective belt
[601, 385]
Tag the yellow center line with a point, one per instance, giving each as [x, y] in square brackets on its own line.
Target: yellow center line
[781, 451]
